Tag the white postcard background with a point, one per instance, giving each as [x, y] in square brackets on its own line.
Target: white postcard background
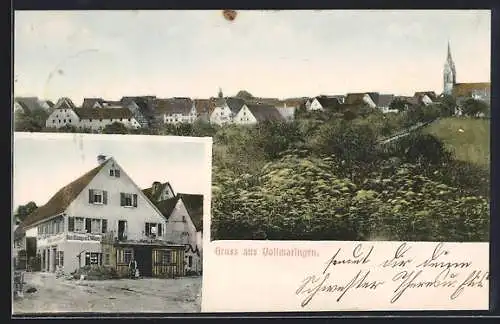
[446, 276]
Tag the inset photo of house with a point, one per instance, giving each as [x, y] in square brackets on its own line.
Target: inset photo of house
[108, 223]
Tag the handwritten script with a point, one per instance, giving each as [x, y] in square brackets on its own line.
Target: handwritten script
[402, 273]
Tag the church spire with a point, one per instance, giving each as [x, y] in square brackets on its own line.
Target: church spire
[449, 73]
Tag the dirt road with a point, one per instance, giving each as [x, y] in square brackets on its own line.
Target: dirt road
[55, 295]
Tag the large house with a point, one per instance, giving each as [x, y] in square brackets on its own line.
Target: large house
[104, 218]
[95, 118]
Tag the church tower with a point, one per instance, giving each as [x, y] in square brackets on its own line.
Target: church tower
[449, 74]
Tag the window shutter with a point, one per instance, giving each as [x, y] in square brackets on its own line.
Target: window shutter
[105, 197]
[71, 224]
[122, 199]
[117, 173]
[104, 225]
[146, 229]
[135, 200]
[91, 194]
[159, 230]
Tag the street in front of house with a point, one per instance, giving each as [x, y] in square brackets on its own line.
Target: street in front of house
[56, 295]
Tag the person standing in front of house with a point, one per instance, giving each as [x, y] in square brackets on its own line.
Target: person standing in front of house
[132, 266]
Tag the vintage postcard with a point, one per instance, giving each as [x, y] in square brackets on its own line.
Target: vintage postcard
[350, 160]
[108, 223]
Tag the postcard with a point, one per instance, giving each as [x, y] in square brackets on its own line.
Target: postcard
[349, 170]
[108, 223]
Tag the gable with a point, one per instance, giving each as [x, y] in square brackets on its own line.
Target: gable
[114, 186]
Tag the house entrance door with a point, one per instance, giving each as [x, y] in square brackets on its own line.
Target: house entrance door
[144, 258]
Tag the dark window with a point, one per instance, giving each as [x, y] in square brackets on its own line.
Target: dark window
[54, 121]
[128, 200]
[184, 218]
[59, 121]
[69, 120]
[117, 173]
[190, 261]
[98, 196]
[159, 230]
[112, 172]
[90, 120]
[127, 256]
[121, 119]
[88, 225]
[71, 224]
[64, 120]
[100, 120]
[167, 257]
[104, 225]
[129, 119]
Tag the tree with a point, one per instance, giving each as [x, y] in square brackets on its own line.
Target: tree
[115, 128]
[447, 104]
[33, 121]
[24, 210]
[243, 94]
[473, 107]
[398, 104]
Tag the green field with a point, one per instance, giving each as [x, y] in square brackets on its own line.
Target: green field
[471, 145]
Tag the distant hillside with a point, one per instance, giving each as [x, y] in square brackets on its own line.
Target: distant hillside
[469, 138]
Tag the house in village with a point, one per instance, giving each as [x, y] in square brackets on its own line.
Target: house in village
[90, 118]
[184, 215]
[322, 103]
[368, 99]
[225, 110]
[176, 110]
[142, 109]
[287, 112]
[255, 113]
[426, 97]
[104, 218]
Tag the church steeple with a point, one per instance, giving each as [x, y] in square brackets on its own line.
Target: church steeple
[220, 94]
[449, 73]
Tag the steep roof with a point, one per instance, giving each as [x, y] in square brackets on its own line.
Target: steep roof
[235, 104]
[466, 89]
[431, 94]
[410, 100]
[354, 98]
[173, 106]
[204, 106]
[328, 102]
[63, 198]
[166, 207]
[287, 112]
[90, 102]
[194, 206]
[64, 103]
[145, 104]
[384, 100]
[154, 196]
[263, 112]
[50, 103]
[103, 113]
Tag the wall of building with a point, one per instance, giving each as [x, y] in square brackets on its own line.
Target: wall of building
[136, 217]
[99, 124]
[73, 248]
[62, 117]
[180, 228]
[221, 115]
[315, 105]
[245, 117]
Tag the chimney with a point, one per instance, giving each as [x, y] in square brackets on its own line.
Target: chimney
[101, 159]
[155, 187]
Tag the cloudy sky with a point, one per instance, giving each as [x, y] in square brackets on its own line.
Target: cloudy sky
[44, 163]
[270, 53]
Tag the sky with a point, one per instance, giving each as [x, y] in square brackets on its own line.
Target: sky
[284, 53]
[46, 162]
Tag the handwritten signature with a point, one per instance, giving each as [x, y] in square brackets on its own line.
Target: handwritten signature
[451, 274]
